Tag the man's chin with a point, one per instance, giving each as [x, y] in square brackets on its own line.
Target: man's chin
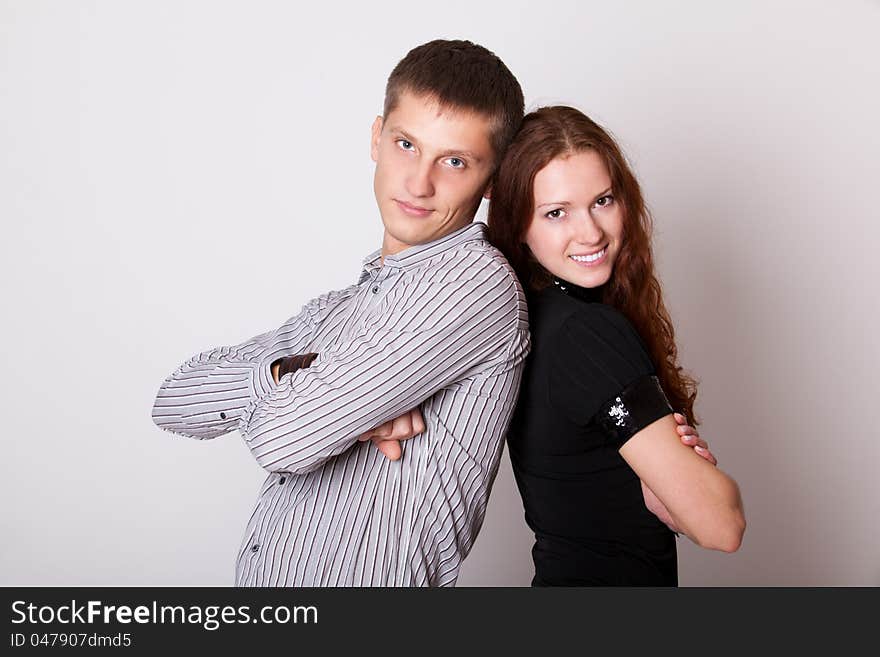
[408, 231]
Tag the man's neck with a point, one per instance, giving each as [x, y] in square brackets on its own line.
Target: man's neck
[392, 246]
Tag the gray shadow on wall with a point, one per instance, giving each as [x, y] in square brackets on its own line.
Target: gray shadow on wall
[749, 323]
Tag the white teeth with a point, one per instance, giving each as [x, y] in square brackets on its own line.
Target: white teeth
[588, 258]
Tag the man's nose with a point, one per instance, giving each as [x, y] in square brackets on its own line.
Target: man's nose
[419, 183]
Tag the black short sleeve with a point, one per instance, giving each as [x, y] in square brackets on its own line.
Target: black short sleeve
[596, 355]
[632, 409]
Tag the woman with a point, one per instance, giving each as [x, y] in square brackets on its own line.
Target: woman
[593, 426]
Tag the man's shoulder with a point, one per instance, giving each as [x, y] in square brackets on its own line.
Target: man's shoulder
[478, 276]
[321, 304]
[474, 258]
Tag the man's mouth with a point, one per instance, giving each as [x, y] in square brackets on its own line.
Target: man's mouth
[413, 210]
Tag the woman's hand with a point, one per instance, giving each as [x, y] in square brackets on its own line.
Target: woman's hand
[703, 502]
[691, 438]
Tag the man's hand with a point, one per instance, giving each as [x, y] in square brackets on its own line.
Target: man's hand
[691, 438]
[292, 363]
[386, 437]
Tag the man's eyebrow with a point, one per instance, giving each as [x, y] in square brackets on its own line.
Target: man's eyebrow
[467, 154]
[403, 133]
[449, 151]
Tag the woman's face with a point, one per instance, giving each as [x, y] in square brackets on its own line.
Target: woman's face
[577, 225]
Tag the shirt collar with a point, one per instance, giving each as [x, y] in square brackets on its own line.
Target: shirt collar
[589, 294]
[421, 252]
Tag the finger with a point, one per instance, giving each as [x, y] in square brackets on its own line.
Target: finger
[402, 427]
[701, 448]
[384, 430]
[680, 418]
[706, 454]
[694, 441]
[686, 430]
[390, 448]
[418, 422]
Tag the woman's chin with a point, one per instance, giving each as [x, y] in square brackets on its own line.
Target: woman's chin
[586, 278]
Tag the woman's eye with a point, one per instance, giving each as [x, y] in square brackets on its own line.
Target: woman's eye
[405, 144]
[605, 201]
[555, 214]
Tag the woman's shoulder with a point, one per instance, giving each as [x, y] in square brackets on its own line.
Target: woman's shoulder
[570, 324]
[589, 352]
[600, 336]
[603, 323]
[594, 353]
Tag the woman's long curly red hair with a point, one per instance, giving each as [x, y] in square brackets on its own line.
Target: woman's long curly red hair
[633, 289]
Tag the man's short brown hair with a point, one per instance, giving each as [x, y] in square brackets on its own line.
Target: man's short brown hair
[461, 75]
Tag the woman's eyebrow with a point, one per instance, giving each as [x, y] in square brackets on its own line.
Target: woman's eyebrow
[595, 198]
[601, 194]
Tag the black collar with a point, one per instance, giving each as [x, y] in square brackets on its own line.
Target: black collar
[588, 294]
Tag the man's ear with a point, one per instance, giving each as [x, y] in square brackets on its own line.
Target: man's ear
[374, 139]
[487, 193]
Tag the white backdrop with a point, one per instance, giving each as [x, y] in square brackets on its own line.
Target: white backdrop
[142, 142]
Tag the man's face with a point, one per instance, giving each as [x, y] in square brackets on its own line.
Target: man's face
[432, 167]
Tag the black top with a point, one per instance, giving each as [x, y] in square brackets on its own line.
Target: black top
[581, 498]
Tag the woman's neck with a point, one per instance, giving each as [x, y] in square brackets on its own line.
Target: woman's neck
[589, 294]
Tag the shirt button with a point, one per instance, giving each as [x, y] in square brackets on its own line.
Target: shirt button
[222, 416]
[282, 480]
[375, 289]
[255, 548]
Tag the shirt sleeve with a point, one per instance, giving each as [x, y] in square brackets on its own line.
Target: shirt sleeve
[429, 337]
[206, 396]
[597, 354]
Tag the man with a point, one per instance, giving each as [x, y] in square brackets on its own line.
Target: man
[436, 321]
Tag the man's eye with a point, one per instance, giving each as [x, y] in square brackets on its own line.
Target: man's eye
[405, 144]
[456, 162]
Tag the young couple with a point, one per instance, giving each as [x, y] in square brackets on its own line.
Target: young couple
[380, 410]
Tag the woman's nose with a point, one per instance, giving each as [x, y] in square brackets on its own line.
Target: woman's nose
[587, 230]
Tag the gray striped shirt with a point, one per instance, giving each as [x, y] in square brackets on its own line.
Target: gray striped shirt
[442, 326]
